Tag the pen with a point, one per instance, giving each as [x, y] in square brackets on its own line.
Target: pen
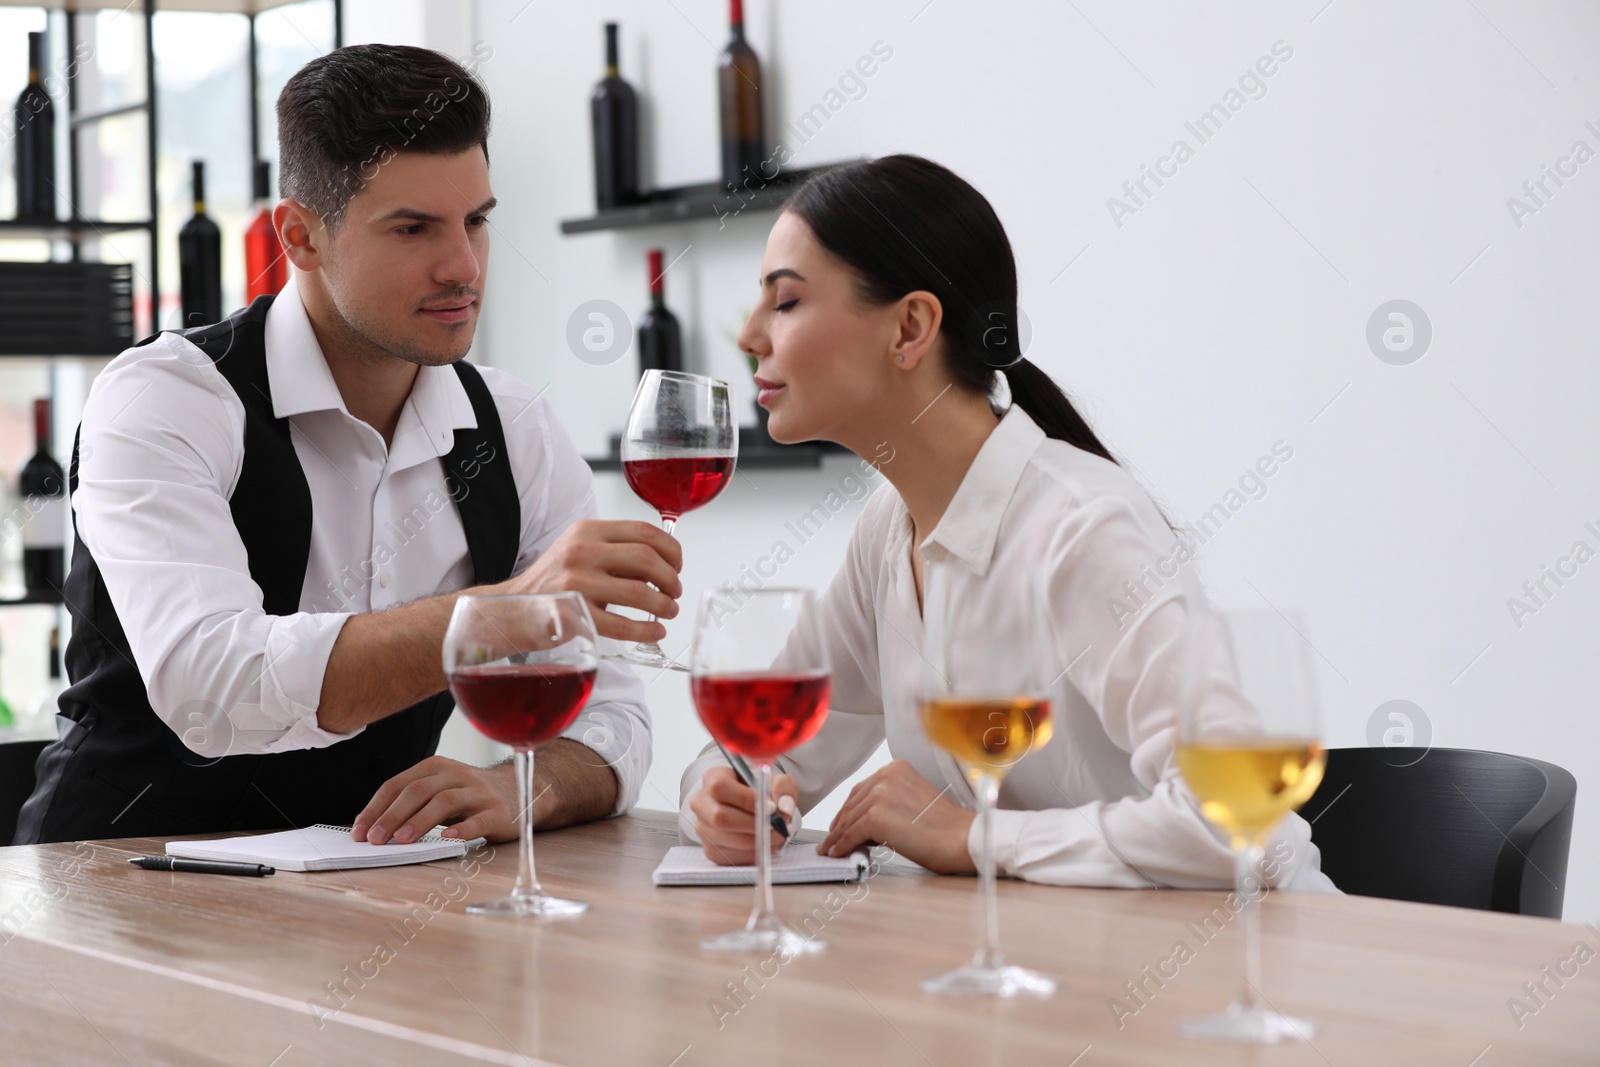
[742, 769]
[173, 863]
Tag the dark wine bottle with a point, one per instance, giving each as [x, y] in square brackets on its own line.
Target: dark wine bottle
[44, 503]
[36, 141]
[266, 271]
[660, 342]
[614, 112]
[739, 89]
[200, 260]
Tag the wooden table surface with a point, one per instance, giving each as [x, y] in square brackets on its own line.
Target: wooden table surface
[101, 962]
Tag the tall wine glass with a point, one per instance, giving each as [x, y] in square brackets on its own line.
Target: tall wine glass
[986, 701]
[520, 667]
[678, 453]
[1249, 765]
[760, 683]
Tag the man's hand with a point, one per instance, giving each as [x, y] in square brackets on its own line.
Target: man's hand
[725, 815]
[571, 784]
[471, 801]
[611, 562]
[898, 807]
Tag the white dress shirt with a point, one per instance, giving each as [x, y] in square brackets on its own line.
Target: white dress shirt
[162, 443]
[1102, 803]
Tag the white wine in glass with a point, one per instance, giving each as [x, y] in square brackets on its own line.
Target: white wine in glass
[986, 701]
[1248, 766]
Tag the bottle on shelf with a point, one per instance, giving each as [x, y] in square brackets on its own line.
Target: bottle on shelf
[43, 489]
[35, 120]
[266, 271]
[739, 90]
[200, 260]
[660, 341]
[40, 721]
[614, 114]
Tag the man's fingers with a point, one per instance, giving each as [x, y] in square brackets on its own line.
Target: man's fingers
[630, 593]
[373, 814]
[440, 808]
[629, 530]
[621, 628]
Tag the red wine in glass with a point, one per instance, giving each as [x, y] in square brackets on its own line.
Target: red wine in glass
[761, 716]
[521, 705]
[682, 483]
[521, 667]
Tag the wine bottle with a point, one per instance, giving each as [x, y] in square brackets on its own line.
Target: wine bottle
[36, 141]
[40, 720]
[44, 505]
[200, 260]
[614, 113]
[739, 88]
[660, 342]
[266, 271]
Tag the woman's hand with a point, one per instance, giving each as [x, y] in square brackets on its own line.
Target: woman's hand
[899, 808]
[725, 815]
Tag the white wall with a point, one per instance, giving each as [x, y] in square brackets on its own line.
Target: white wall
[1227, 313]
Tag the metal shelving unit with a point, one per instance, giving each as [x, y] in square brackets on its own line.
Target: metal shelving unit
[75, 228]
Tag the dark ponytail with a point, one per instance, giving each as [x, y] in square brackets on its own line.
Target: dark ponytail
[905, 223]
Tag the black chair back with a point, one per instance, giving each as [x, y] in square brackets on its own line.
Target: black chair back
[1445, 826]
[16, 782]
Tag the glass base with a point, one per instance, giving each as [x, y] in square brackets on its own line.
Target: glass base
[1003, 981]
[1249, 1026]
[648, 655]
[534, 904]
[765, 938]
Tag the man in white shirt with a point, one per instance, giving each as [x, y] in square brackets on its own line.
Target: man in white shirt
[276, 513]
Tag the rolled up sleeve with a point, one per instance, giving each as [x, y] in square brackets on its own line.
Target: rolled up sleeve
[161, 445]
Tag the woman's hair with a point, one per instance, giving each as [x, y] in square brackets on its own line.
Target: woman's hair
[904, 223]
[344, 115]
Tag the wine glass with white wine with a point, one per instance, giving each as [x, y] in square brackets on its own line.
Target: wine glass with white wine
[1249, 765]
[985, 701]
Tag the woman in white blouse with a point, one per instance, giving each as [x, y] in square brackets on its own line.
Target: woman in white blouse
[888, 313]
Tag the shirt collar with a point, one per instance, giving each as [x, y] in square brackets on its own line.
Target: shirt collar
[971, 523]
[298, 375]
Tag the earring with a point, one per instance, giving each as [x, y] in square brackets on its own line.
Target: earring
[899, 359]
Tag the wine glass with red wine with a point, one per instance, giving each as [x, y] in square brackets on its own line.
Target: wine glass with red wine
[760, 680]
[520, 667]
[678, 453]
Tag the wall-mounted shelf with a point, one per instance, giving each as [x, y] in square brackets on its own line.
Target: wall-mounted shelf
[682, 203]
[757, 451]
[69, 229]
[15, 601]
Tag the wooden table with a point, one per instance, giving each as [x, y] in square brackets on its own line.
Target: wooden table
[103, 963]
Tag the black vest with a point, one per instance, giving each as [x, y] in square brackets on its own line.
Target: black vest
[118, 770]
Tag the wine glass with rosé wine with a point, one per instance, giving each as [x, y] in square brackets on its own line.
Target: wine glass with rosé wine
[678, 453]
[521, 667]
[760, 681]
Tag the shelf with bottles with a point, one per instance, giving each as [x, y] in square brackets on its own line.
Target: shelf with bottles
[706, 200]
[752, 179]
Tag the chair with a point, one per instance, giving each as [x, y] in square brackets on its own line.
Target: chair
[16, 782]
[1445, 826]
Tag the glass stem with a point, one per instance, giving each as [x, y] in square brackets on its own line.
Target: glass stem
[527, 884]
[988, 791]
[668, 524]
[766, 913]
[1246, 864]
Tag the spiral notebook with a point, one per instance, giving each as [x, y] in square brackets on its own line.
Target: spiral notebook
[687, 865]
[319, 848]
